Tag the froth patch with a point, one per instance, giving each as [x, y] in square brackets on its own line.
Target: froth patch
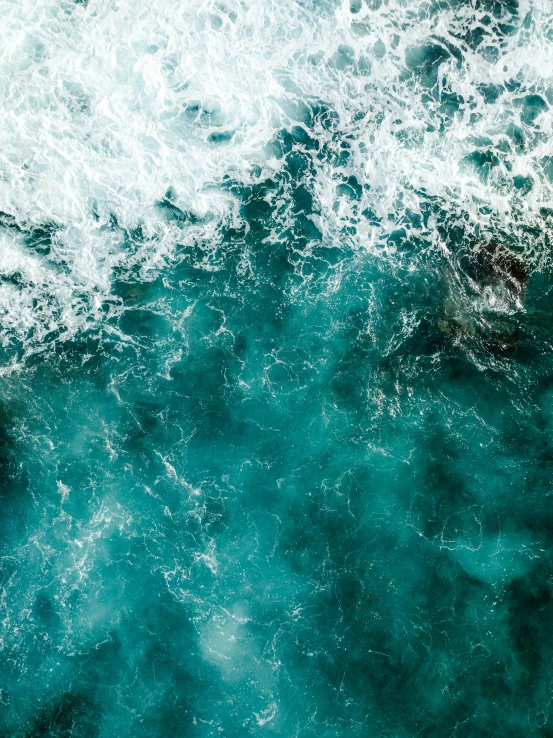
[110, 106]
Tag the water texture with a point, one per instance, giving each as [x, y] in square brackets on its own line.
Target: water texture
[276, 369]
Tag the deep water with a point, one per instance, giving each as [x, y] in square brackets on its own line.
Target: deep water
[276, 369]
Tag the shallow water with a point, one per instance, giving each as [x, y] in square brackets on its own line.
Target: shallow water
[275, 439]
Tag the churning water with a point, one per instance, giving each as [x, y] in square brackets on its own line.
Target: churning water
[276, 419]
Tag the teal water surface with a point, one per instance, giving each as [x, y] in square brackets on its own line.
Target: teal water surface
[293, 476]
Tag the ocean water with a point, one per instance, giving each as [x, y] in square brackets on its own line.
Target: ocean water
[276, 369]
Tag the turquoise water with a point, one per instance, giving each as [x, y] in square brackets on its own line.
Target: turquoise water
[276, 396]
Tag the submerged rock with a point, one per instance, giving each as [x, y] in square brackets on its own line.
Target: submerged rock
[499, 268]
[484, 295]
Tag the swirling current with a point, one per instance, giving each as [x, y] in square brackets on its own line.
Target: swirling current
[276, 369]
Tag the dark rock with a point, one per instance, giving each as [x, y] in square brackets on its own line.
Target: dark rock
[484, 296]
[496, 264]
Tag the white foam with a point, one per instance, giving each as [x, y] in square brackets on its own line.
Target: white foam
[108, 105]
